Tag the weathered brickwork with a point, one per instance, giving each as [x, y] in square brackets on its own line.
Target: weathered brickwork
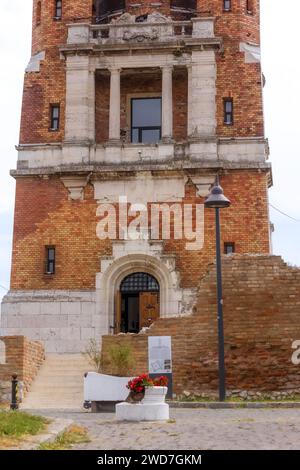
[86, 67]
[235, 78]
[22, 357]
[261, 319]
[45, 216]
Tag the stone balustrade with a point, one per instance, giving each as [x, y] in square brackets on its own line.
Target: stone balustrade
[158, 29]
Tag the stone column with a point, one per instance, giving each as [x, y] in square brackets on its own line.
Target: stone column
[167, 103]
[80, 101]
[202, 95]
[115, 105]
[190, 100]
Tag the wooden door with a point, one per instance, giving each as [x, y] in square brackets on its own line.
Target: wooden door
[118, 307]
[149, 308]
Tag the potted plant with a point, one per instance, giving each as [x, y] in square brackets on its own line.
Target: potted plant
[146, 390]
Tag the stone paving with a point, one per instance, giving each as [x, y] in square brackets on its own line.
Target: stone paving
[198, 429]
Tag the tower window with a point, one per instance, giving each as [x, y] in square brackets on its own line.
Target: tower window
[50, 260]
[54, 118]
[58, 10]
[249, 6]
[227, 5]
[229, 248]
[228, 111]
[145, 120]
[38, 13]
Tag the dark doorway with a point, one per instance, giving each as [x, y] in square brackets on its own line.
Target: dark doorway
[138, 304]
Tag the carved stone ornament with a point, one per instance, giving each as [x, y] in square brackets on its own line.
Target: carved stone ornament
[140, 36]
[126, 18]
[156, 17]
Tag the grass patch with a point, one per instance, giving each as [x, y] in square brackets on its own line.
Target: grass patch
[73, 435]
[16, 425]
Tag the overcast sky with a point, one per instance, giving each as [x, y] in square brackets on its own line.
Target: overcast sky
[280, 54]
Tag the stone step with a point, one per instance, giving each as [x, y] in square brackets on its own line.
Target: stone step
[59, 383]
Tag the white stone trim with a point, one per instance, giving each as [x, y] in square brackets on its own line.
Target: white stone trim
[167, 103]
[134, 256]
[63, 321]
[35, 62]
[231, 150]
[80, 100]
[75, 186]
[141, 189]
[252, 52]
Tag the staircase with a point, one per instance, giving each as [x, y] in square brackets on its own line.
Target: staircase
[59, 383]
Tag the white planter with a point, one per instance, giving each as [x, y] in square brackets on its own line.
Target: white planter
[151, 408]
[155, 395]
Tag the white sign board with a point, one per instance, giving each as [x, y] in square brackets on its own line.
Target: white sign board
[160, 354]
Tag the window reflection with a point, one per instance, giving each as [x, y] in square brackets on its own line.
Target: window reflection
[145, 120]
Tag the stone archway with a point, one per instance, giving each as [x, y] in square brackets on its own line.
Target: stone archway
[137, 303]
[130, 257]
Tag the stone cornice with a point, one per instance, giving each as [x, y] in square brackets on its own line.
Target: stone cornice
[173, 166]
[170, 46]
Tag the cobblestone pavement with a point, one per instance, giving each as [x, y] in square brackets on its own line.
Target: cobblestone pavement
[198, 429]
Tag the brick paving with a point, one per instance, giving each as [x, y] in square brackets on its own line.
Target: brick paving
[188, 429]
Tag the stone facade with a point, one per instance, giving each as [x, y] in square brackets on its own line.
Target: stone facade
[19, 356]
[261, 320]
[192, 55]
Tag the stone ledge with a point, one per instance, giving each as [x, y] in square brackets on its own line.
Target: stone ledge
[233, 405]
[122, 168]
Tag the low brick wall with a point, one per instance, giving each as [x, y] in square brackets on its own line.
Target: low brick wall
[22, 357]
[261, 320]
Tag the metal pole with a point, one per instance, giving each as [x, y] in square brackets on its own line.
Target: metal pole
[14, 393]
[222, 375]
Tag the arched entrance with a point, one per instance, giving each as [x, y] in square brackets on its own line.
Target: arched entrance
[137, 302]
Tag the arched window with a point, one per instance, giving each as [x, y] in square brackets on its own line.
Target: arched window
[38, 13]
[58, 9]
[139, 282]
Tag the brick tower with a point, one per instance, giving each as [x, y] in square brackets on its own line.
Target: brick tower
[147, 101]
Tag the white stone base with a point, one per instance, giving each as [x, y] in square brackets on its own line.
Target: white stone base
[64, 321]
[142, 412]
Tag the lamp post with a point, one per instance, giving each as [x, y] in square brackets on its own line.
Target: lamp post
[216, 200]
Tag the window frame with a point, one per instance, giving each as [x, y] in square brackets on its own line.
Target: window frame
[144, 128]
[226, 113]
[224, 5]
[227, 245]
[38, 18]
[53, 119]
[249, 7]
[57, 8]
[50, 264]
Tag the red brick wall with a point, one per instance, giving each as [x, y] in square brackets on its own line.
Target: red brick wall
[261, 320]
[23, 357]
[45, 216]
[235, 79]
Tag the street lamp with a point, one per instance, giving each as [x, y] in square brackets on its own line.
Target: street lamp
[217, 200]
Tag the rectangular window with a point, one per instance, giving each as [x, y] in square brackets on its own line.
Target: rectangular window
[249, 6]
[227, 5]
[58, 9]
[38, 13]
[145, 120]
[228, 111]
[229, 248]
[50, 260]
[55, 115]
